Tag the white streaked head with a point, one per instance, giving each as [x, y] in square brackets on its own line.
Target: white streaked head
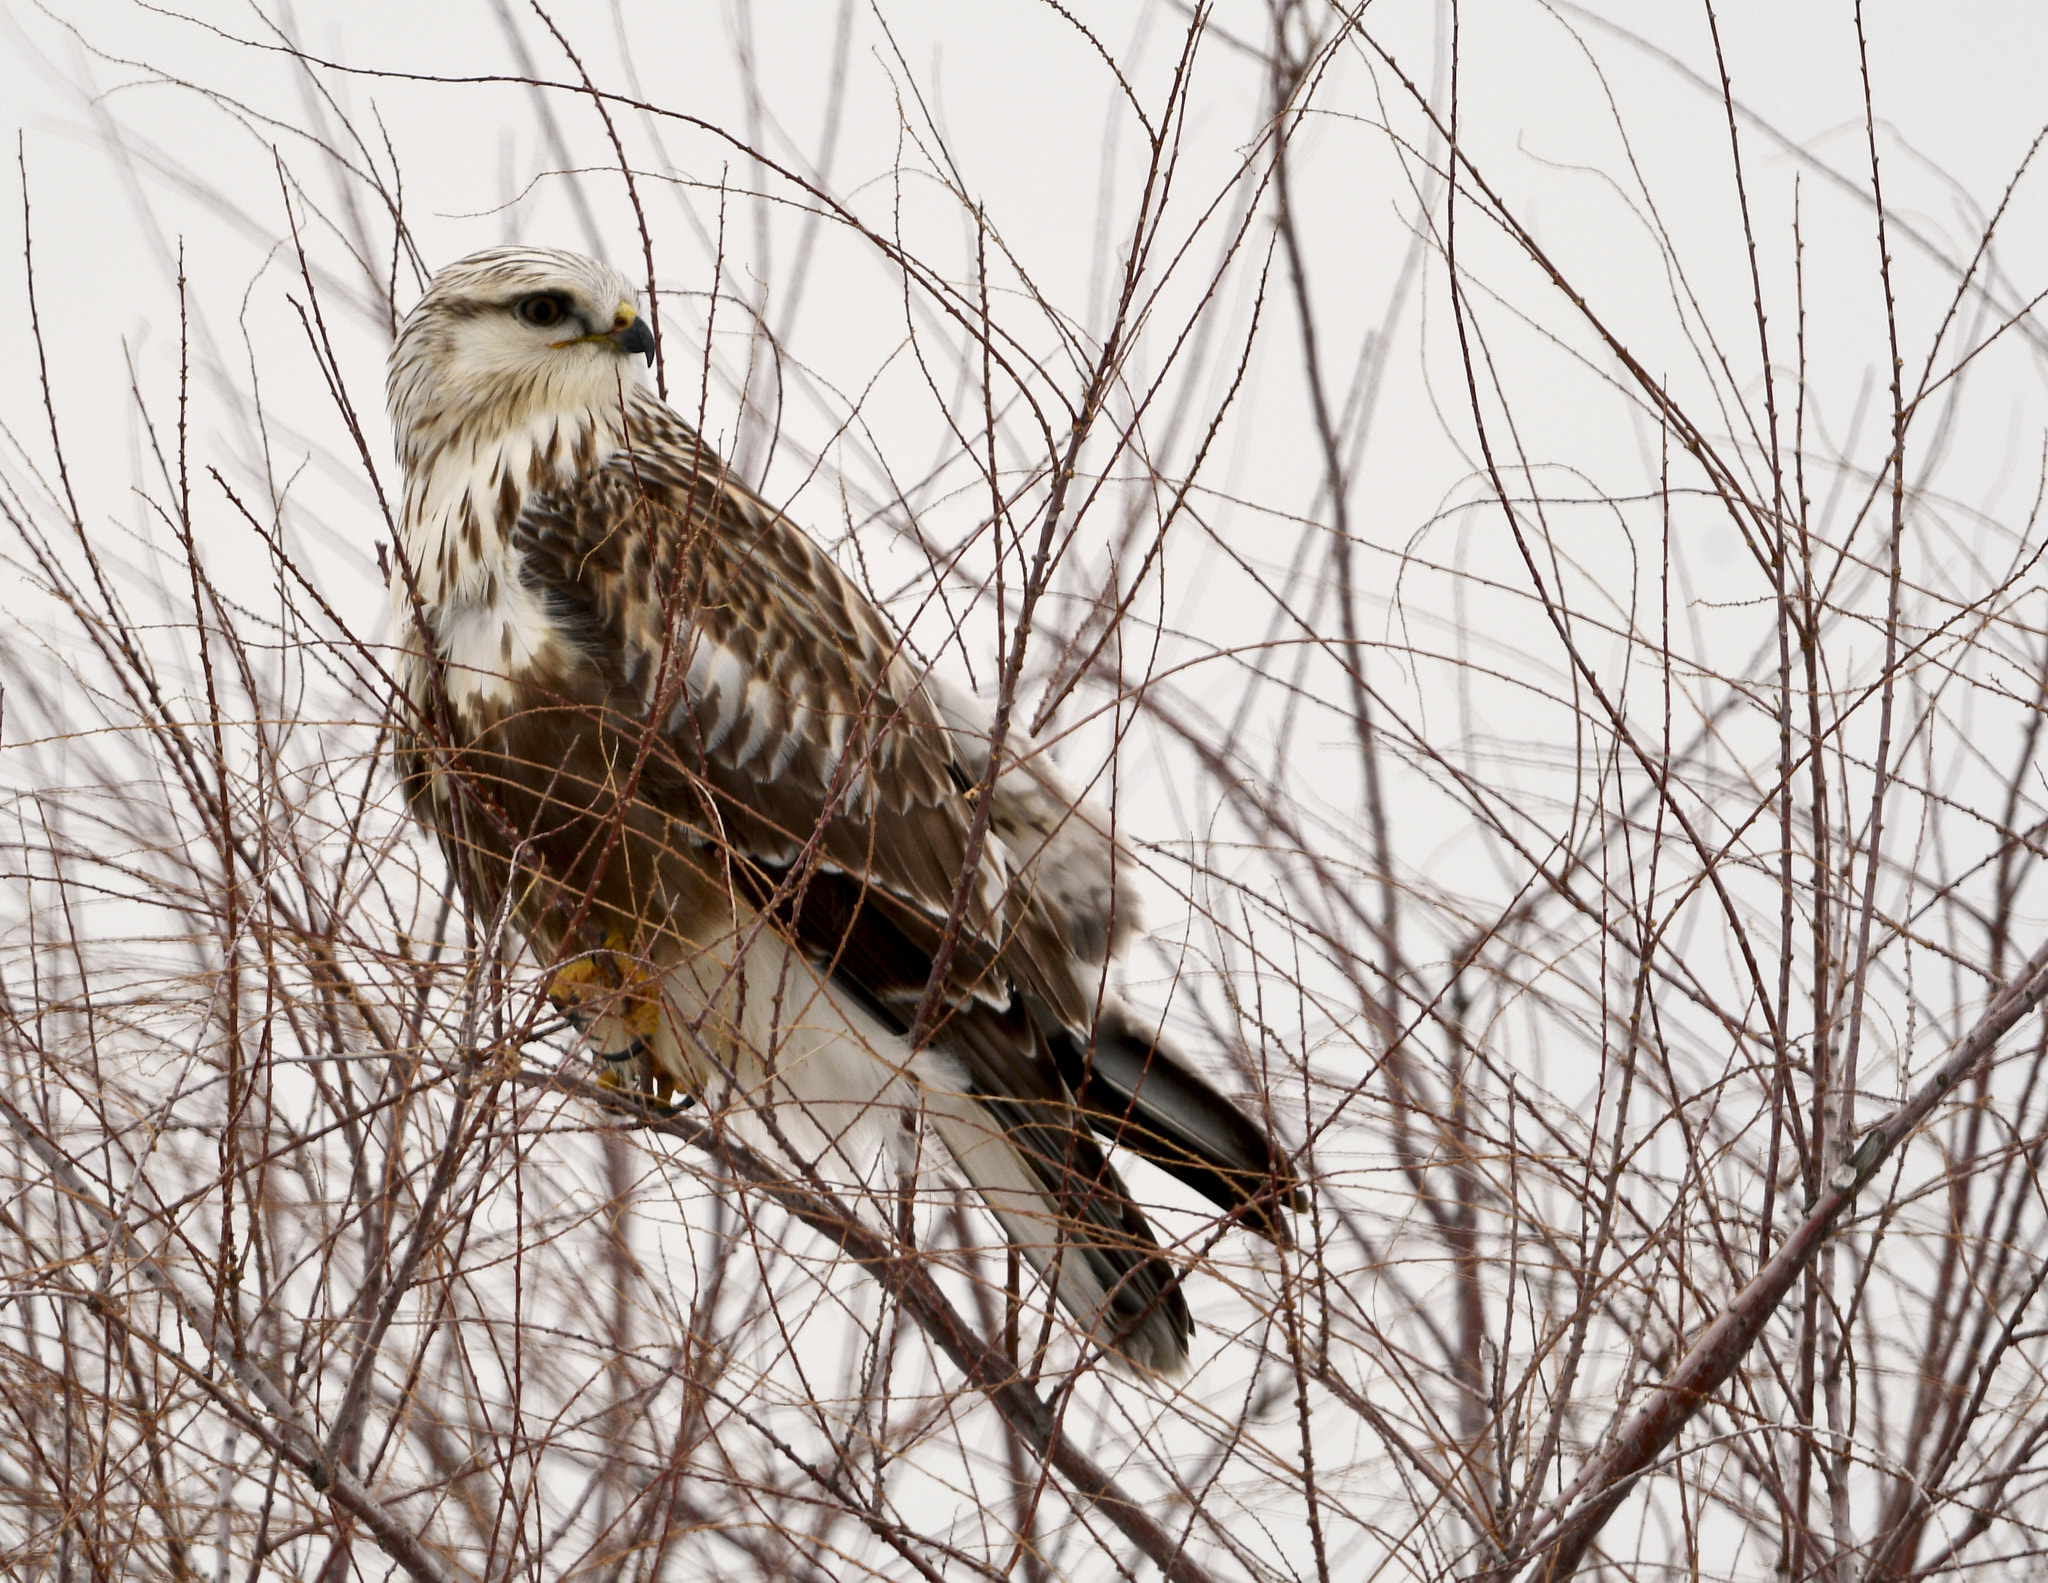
[506, 335]
[512, 373]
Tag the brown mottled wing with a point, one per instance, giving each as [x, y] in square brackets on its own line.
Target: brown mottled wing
[793, 727]
[799, 741]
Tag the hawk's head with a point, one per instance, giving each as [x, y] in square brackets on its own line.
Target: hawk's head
[507, 338]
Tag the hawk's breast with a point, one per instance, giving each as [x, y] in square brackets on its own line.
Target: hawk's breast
[490, 626]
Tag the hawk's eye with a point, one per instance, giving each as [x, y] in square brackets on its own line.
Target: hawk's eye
[543, 312]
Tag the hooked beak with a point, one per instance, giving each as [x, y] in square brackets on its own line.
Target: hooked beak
[631, 334]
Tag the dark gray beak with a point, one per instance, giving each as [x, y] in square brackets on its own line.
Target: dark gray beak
[634, 337]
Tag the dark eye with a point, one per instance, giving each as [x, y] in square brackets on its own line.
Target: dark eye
[543, 312]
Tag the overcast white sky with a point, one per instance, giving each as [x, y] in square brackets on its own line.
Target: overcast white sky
[141, 129]
[1025, 109]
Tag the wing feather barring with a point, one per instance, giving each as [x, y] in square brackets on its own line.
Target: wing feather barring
[656, 728]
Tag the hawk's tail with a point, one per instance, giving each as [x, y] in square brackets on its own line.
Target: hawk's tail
[1062, 1205]
[1137, 1091]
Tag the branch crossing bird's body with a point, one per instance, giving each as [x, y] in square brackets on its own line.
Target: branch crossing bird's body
[659, 731]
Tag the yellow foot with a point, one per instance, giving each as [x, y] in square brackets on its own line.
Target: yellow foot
[592, 975]
[610, 982]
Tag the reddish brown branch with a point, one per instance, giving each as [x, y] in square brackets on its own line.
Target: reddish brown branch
[1576, 1517]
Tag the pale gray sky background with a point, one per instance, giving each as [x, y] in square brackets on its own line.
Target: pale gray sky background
[1600, 127]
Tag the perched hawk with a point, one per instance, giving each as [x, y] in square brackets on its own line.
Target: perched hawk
[656, 728]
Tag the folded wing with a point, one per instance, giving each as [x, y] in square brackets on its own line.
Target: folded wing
[778, 728]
